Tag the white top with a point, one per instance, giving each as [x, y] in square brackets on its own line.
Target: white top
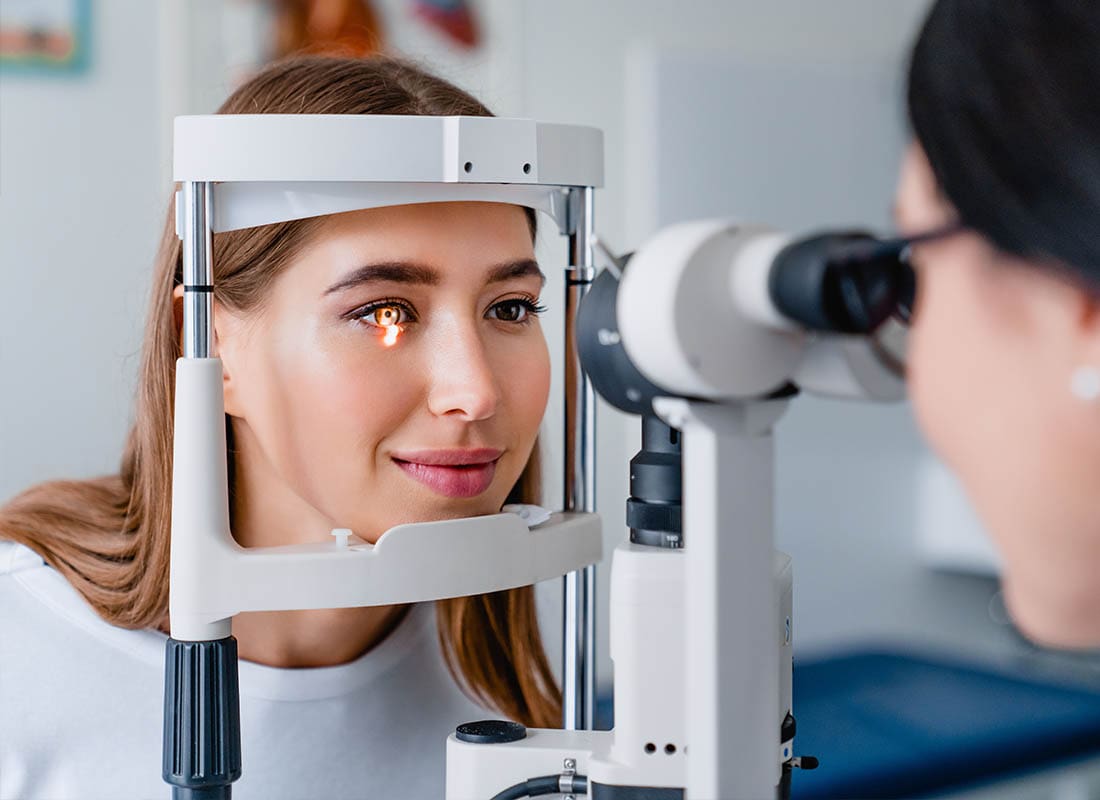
[81, 705]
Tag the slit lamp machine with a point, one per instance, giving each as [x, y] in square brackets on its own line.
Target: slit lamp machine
[706, 332]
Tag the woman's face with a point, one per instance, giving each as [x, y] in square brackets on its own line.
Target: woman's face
[396, 371]
[994, 343]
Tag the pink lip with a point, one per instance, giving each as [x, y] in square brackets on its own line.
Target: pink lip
[453, 473]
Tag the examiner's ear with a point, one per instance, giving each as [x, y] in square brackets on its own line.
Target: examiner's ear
[1062, 316]
[1088, 327]
[919, 205]
[228, 386]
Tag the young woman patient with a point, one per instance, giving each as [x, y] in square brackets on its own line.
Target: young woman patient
[369, 374]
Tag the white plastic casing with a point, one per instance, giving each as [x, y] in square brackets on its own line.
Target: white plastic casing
[385, 149]
[271, 168]
[651, 678]
[848, 367]
[696, 317]
[682, 326]
[647, 647]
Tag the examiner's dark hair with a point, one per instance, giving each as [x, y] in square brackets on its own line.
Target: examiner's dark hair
[1004, 97]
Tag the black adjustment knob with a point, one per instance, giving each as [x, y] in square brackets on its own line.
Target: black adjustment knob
[788, 729]
[490, 731]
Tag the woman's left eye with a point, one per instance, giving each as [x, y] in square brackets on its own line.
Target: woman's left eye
[516, 310]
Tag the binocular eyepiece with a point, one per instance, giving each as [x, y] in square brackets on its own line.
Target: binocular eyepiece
[841, 283]
[837, 282]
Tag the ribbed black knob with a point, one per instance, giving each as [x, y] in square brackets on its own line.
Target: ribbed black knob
[490, 731]
[202, 719]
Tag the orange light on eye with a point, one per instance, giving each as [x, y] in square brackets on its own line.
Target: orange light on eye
[387, 319]
[392, 332]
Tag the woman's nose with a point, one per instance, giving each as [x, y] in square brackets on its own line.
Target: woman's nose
[462, 379]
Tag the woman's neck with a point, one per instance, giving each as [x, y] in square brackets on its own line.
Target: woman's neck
[313, 638]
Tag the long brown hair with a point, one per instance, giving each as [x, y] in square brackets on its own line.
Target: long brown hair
[110, 536]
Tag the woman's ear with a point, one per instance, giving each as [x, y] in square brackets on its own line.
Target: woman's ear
[177, 314]
[228, 386]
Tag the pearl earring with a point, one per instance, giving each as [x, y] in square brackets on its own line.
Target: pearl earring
[1086, 384]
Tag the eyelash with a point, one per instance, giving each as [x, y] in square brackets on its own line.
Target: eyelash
[531, 305]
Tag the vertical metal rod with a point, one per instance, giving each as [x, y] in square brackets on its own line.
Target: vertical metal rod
[579, 630]
[198, 274]
[202, 717]
[589, 627]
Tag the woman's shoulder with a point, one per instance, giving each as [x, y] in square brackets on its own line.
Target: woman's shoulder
[15, 557]
[40, 609]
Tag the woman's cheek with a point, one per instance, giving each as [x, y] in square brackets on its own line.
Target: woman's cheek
[370, 383]
[536, 383]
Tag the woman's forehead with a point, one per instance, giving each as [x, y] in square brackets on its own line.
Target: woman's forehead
[475, 220]
[426, 244]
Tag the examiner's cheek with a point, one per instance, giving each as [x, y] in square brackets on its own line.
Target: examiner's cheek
[925, 385]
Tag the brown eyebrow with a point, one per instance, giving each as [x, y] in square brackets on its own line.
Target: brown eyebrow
[516, 269]
[395, 272]
[420, 274]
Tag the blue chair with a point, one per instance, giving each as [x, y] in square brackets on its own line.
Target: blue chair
[891, 725]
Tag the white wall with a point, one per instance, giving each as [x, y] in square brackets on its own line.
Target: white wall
[80, 208]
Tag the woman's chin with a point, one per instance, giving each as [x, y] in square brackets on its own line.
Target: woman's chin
[453, 510]
[430, 507]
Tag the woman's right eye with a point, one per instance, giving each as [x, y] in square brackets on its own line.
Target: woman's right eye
[384, 315]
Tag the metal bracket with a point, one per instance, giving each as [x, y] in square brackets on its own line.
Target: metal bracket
[565, 781]
[563, 208]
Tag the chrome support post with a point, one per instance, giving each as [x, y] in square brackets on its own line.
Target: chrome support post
[579, 631]
[201, 752]
[198, 273]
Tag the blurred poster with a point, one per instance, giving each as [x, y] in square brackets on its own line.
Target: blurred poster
[339, 27]
[453, 18]
[44, 34]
